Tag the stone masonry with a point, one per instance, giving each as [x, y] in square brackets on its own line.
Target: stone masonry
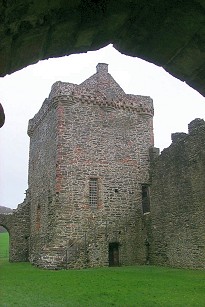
[99, 192]
[17, 224]
[176, 228]
[92, 133]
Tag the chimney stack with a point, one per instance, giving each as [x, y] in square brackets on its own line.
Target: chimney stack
[102, 68]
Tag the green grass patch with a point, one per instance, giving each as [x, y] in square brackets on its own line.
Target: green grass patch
[4, 245]
[23, 285]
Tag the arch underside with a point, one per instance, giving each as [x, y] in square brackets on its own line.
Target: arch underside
[168, 33]
[5, 221]
[5, 227]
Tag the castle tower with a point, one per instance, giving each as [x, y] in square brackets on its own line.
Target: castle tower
[88, 169]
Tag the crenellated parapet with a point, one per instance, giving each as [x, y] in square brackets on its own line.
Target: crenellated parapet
[140, 104]
[46, 106]
[98, 90]
[61, 88]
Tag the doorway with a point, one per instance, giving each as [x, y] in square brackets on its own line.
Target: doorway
[114, 254]
[4, 243]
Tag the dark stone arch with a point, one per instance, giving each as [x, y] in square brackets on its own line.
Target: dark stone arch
[4, 253]
[4, 227]
[2, 116]
[168, 33]
[6, 222]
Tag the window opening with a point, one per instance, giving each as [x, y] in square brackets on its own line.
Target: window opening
[114, 254]
[145, 198]
[93, 192]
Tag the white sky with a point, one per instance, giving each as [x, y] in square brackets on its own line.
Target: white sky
[23, 93]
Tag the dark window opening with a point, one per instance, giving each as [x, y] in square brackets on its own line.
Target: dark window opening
[93, 192]
[145, 198]
[114, 254]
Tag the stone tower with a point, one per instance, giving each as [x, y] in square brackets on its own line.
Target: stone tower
[89, 175]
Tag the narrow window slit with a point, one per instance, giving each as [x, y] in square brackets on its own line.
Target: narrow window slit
[145, 198]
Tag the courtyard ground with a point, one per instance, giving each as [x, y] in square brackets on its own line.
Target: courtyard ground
[23, 285]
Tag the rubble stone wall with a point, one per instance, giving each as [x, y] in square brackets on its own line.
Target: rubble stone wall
[18, 226]
[113, 147]
[42, 175]
[176, 229]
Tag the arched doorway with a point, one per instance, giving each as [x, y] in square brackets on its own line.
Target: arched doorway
[4, 244]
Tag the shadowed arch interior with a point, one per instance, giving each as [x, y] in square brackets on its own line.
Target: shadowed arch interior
[168, 33]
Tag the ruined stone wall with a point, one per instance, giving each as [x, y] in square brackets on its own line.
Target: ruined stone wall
[176, 229]
[18, 226]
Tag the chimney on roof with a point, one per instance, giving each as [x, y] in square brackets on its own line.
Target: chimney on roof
[102, 68]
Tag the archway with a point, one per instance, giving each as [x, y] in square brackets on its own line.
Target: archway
[6, 235]
[4, 244]
[168, 33]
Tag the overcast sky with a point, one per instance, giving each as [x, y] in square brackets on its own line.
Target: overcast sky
[23, 93]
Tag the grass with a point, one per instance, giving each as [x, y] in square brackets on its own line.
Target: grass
[4, 245]
[23, 285]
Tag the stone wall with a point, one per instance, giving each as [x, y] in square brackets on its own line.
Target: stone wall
[176, 229]
[96, 132]
[92, 130]
[18, 226]
[42, 176]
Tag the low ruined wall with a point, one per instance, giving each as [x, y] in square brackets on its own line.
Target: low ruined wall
[176, 229]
